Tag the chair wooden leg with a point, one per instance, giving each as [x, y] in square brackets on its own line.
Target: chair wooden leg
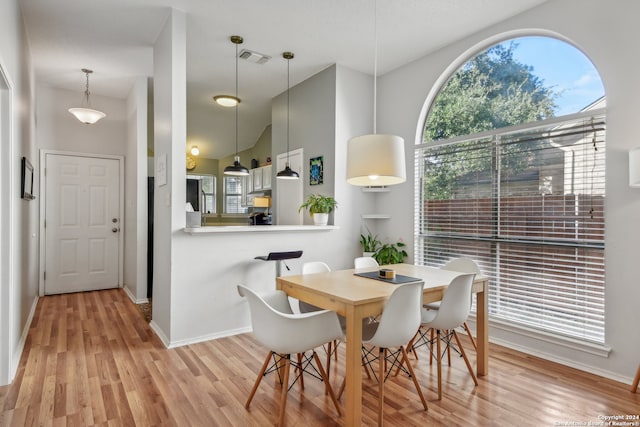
[473, 341]
[413, 377]
[636, 380]
[464, 356]
[335, 349]
[381, 371]
[410, 345]
[285, 389]
[439, 362]
[301, 371]
[448, 350]
[325, 378]
[431, 347]
[257, 383]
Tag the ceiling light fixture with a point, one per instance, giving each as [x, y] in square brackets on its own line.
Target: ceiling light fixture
[375, 160]
[86, 114]
[226, 100]
[287, 172]
[195, 151]
[236, 169]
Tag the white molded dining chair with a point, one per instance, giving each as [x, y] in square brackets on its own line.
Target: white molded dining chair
[463, 265]
[313, 267]
[285, 334]
[453, 311]
[399, 322]
[363, 262]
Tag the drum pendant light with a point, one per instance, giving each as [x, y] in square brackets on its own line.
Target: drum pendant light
[236, 169]
[375, 160]
[287, 172]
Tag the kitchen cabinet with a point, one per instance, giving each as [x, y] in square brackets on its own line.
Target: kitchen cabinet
[259, 179]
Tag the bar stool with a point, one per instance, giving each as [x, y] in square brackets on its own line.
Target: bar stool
[280, 257]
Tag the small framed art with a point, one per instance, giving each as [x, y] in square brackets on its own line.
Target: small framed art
[316, 170]
[26, 183]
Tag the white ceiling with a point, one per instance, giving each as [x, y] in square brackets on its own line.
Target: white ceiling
[115, 39]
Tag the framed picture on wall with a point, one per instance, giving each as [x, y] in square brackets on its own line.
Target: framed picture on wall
[26, 183]
[315, 170]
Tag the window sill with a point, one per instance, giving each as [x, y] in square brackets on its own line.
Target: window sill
[601, 350]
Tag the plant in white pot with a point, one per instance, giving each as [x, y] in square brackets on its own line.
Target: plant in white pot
[370, 244]
[319, 207]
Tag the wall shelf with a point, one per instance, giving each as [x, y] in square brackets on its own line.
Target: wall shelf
[375, 216]
[375, 189]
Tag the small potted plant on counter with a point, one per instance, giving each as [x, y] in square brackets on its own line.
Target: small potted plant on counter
[370, 244]
[319, 207]
[391, 253]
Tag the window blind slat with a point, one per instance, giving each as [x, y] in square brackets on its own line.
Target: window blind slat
[528, 206]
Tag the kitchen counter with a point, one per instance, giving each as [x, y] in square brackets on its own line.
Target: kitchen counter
[256, 228]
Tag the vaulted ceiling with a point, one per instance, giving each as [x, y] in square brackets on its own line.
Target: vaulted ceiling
[115, 38]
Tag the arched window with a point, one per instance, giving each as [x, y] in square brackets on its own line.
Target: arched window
[511, 173]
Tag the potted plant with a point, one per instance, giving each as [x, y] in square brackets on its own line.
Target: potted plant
[370, 244]
[319, 207]
[391, 253]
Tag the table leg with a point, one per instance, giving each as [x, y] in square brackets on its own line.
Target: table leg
[636, 380]
[353, 390]
[482, 330]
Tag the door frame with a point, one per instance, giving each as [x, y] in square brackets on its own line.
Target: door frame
[8, 192]
[43, 197]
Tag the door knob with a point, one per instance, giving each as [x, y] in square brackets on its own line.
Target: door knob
[114, 229]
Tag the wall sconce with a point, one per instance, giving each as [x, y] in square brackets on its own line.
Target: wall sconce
[634, 168]
[195, 151]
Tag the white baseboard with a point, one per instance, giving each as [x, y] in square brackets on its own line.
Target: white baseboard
[17, 353]
[179, 343]
[133, 298]
[160, 333]
[563, 361]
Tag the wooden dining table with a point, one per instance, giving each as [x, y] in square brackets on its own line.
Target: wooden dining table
[356, 297]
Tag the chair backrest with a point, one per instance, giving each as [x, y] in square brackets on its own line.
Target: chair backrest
[365, 262]
[400, 317]
[463, 265]
[286, 333]
[311, 268]
[315, 267]
[454, 308]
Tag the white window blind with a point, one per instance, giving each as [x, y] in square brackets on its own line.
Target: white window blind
[527, 203]
[233, 194]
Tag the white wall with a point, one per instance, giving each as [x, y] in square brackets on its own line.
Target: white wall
[135, 230]
[330, 107]
[608, 36]
[57, 129]
[18, 218]
[169, 92]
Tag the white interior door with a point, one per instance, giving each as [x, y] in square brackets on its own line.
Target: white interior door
[82, 224]
[289, 196]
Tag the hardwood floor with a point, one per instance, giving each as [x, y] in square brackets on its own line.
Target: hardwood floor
[91, 359]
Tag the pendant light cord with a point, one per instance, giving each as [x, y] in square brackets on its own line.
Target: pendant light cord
[236, 98]
[288, 125]
[375, 62]
[86, 90]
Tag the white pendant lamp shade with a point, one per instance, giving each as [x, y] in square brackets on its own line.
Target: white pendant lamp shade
[376, 160]
[86, 114]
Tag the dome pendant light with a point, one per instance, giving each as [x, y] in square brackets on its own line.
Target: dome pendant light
[236, 169]
[375, 160]
[86, 114]
[287, 172]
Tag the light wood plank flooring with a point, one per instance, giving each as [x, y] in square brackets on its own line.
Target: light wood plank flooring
[91, 359]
